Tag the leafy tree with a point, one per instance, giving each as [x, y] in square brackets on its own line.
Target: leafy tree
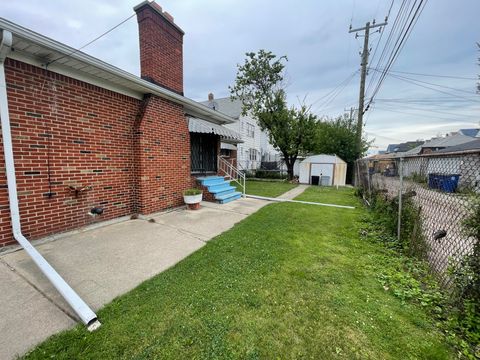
[259, 85]
[338, 136]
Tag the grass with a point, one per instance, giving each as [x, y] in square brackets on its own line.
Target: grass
[290, 281]
[267, 188]
[329, 195]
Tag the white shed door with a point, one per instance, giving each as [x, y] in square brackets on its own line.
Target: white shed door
[304, 173]
[323, 170]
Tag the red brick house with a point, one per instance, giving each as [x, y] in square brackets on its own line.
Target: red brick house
[86, 134]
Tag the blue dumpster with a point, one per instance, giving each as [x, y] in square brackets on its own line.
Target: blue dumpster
[433, 181]
[444, 182]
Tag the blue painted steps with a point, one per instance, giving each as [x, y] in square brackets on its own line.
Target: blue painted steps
[220, 188]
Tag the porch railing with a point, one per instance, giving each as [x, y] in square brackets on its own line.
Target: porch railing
[227, 169]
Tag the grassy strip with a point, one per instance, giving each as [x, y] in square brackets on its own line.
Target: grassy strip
[329, 195]
[290, 281]
[267, 188]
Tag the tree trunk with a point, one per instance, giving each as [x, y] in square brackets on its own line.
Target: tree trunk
[290, 170]
[290, 162]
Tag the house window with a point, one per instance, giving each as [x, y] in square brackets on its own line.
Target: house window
[253, 154]
[250, 130]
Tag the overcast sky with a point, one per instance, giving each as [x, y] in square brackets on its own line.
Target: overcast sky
[313, 34]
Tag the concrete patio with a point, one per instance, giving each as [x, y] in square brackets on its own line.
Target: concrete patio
[100, 265]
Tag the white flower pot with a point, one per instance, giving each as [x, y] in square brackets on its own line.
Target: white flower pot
[192, 199]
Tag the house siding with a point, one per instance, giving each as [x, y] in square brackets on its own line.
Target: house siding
[243, 149]
[134, 155]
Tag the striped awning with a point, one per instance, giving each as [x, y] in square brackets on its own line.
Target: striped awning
[196, 125]
[227, 146]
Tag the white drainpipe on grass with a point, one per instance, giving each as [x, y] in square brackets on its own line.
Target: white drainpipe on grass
[78, 305]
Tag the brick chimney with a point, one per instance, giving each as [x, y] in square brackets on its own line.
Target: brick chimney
[161, 47]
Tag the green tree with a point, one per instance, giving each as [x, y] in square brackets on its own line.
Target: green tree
[338, 136]
[259, 85]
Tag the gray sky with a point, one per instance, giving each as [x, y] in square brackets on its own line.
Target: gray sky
[313, 34]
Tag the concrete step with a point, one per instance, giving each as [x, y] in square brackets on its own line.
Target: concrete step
[221, 189]
[211, 180]
[225, 198]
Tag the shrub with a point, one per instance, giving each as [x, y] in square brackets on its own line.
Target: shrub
[460, 316]
[412, 241]
[466, 277]
[190, 192]
[266, 174]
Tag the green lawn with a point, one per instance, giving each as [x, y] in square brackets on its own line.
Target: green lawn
[329, 195]
[290, 281]
[267, 188]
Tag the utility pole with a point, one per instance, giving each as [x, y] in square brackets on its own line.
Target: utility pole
[363, 76]
[351, 111]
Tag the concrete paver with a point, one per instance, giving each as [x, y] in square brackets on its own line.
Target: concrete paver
[100, 265]
[26, 314]
[292, 194]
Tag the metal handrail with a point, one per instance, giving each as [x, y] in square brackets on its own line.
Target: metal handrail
[231, 171]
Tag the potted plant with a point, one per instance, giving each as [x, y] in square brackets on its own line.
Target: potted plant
[193, 197]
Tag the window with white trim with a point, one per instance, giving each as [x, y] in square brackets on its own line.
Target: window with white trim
[250, 130]
[253, 154]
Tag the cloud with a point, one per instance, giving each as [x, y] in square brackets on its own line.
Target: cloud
[313, 34]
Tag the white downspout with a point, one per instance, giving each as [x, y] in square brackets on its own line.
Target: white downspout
[78, 305]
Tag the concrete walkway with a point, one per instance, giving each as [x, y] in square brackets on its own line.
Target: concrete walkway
[100, 265]
[292, 194]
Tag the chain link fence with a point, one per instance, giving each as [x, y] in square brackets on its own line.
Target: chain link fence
[442, 188]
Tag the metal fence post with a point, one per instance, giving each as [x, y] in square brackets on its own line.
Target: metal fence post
[400, 191]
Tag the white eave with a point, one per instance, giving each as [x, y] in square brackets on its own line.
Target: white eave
[38, 50]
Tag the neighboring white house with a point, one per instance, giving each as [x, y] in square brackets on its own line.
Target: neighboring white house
[255, 146]
[324, 170]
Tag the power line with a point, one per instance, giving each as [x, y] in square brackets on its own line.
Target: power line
[382, 136]
[432, 75]
[400, 43]
[331, 95]
[397, 21]
[430, 88]
[439, 101]
[423, 116]
[92, 41]
[427, 110]
[428, 83]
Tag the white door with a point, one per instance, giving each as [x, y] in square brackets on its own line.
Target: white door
[323, 170]
[304, 173]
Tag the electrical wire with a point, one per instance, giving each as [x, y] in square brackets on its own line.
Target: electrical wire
[417, 115]
[399, 44]
[330, 93]
[398, 19]
[430, 88]
[440, 101]
[426, 110]
[432, 75]
[428, 83]
[380, 40]
[92, 41]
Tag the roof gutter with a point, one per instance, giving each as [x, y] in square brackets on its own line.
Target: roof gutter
[84, 312]
[147, 87]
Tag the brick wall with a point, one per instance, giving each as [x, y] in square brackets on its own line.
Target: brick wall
[134, 155]
[161, 47]
[163, 156]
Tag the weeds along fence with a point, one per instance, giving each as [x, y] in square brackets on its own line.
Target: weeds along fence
[438, 190]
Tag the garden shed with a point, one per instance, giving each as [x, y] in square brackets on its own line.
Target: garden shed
[325, 170]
